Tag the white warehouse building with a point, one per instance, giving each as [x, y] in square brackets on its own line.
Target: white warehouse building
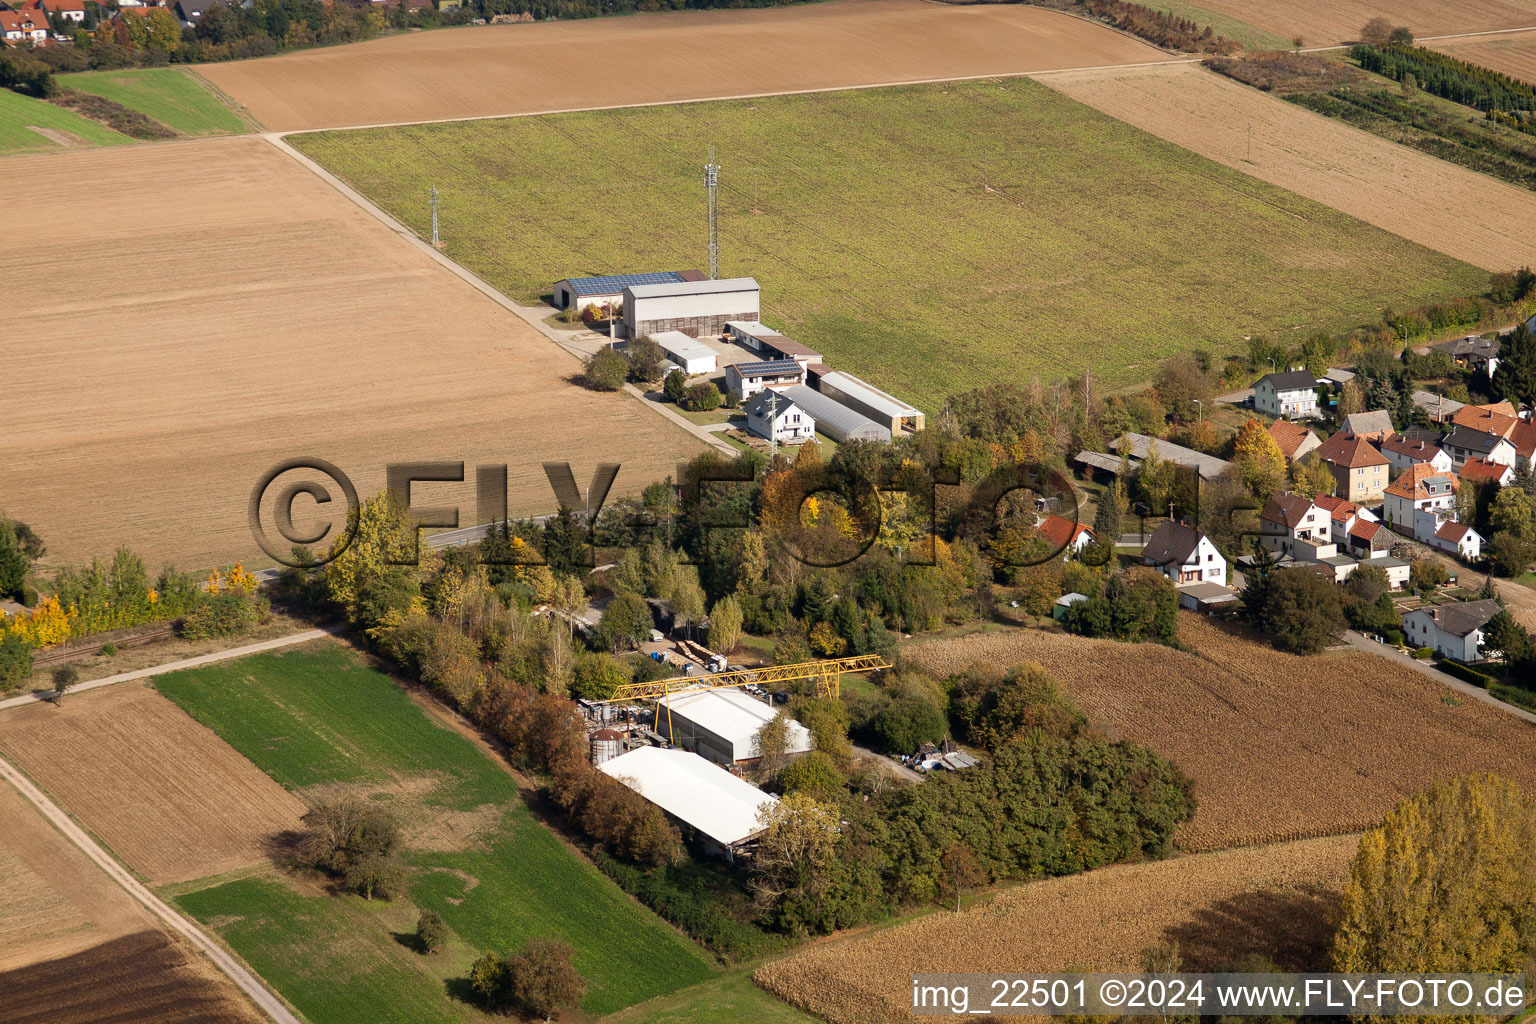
[696, 308]
[691, 355]
[868, 400]
[723, 724]
[705, 797]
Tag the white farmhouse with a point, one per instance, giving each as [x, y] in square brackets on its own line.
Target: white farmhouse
[773, 415]
[1452, 630]
[1460, 540]
[1292, 394]
[1421, 488]
[1184, 555]
[743, 380]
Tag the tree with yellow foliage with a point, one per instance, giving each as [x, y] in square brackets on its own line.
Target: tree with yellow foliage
[1259, 460]
[385, 536]
[1446, 884]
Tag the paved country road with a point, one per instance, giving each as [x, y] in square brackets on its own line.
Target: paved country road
[251, 985]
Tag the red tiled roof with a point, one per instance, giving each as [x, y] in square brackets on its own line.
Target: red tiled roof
[1350, 452]
[1452, 531]
[1365, 531]
[1491, 419]
[1523, 437]
[1061, 531]
[1289, 436]
[1411, 483]
[22, 21]
[1286, 509]
[1482, 469]
[1338, 508]
[1407, 447]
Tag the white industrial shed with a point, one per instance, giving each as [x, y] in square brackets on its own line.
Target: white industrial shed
[723, 724]
[690, 354]
[701, 795]
[835, 419]
[868, 400]
[696, 308]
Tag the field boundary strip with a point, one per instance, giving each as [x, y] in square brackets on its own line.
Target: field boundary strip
[247, 981]
[173, 666]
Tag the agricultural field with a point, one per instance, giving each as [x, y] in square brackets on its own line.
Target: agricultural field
[1513, 55]
[1029, 234]
[1251, 37]
[728, 999]
[139, 977]
[583, 64]
[1330, 749]
[1461, 213]
[1218, 907]
[166, 794]
[320, 722]
[267, 317]
[1328, 22]
[27, 123]
[177, 99]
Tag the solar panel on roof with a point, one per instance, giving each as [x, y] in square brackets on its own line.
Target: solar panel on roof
[618, 282]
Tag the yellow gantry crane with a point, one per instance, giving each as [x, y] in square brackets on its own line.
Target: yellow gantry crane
[827, 674]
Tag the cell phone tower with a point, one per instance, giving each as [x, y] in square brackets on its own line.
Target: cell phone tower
[712, 183]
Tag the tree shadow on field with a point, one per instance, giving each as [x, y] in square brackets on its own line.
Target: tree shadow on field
[282, 848]
[1292, 928]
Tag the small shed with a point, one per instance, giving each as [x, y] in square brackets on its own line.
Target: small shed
[1065, 601]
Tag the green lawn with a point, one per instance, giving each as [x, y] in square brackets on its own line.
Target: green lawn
[173, 97]
[864, 217]
[19, 114]
[320, 717]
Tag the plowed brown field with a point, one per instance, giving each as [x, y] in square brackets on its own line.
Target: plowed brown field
[1456, 211]
[1279, 746]
[140, 977]
[168, 795]
[1514, 55]
[241, 312]
[53, 900]
[524, 69]
[1325, 22]
[1217, 907]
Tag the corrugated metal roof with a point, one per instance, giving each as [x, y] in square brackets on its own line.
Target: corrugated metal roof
[829, 413]
[660, 291]
[694, 790]
[680, 346]
[735, 717]
[861, 391]
[615, 283]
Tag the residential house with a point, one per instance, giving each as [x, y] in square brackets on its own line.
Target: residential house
[1373, 426]
[72, 10]
[1464, 443]
[1398, 571]
[1359, 470]
[1439, 408]
[1292, 525]
[774, 415]
[1289, 395]
[1343, 514]
[1458, 539]
[1184, 555]
[743, 380]
[24, 27]
[1064, 534]
[1452, 630]
[1293, 439]
[1473, 352]
[1403, 452]
[1497, 418]
[1481, 471]
[1421, 486]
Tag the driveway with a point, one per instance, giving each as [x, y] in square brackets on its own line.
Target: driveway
[1360, 643]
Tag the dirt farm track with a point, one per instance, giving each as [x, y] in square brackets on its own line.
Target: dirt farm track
[252, 314]
[523, 69]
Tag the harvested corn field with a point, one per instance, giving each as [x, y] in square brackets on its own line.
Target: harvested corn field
[170, 797]
[1326, 22]
[1439, 205]
[1277, 901]
[1279, 746]
[1513, 54]
[693, 55]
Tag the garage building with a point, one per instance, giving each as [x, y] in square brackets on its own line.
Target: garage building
[691, 355]
[696, 308]
[723, 724]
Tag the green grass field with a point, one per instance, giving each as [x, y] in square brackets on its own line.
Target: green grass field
[319, 717]
[175, 98]
[1251, 36]
[728, 999]
[19, 114]
[864, 217]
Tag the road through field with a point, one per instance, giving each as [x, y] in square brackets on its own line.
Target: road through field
[521, 69]
[236, 972]
[1448, 208]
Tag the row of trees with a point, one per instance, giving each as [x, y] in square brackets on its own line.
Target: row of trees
[1446, 76]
